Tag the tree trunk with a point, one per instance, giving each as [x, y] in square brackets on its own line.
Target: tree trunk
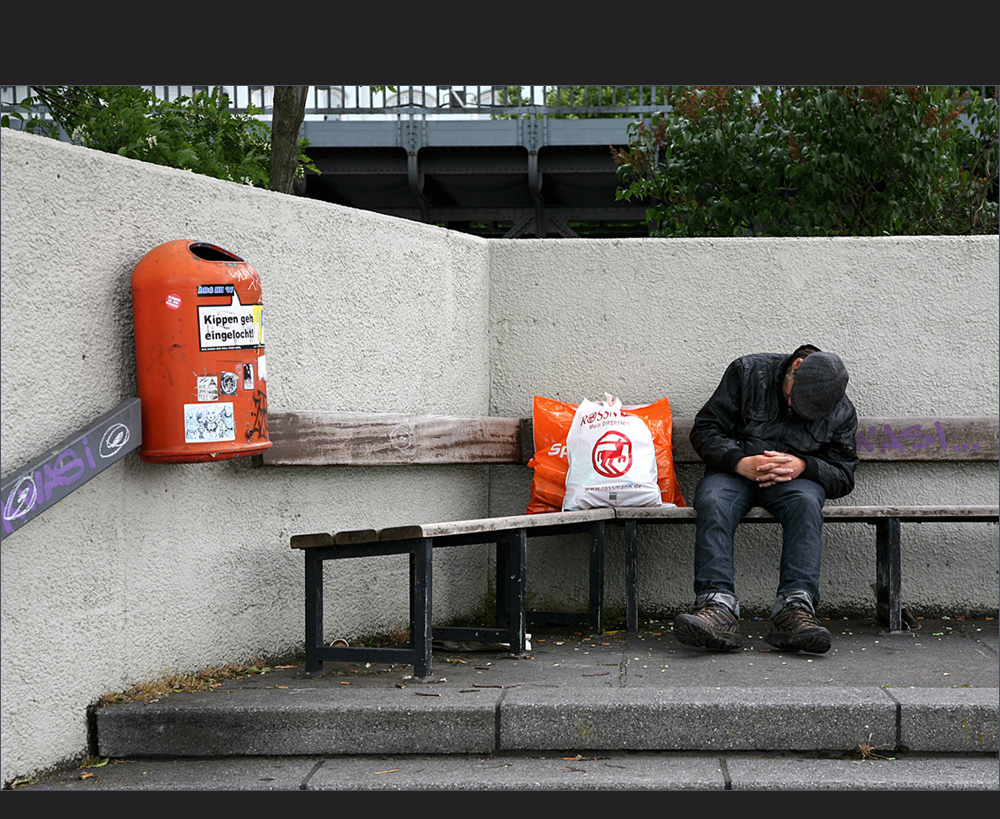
[289, 111]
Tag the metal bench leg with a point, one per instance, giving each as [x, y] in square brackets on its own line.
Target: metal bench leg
[513, 590]
[597, 576]
[420, 606]
[887, 570]
[502, 602]
[314, 612]
[631, 571]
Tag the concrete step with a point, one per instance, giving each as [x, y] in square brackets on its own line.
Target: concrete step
[932, 691]
[293, 722]
[612, 771]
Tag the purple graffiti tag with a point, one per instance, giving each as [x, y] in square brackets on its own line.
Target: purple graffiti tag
[891, 442]
[940, 432]
[53, 475]
[67, 469]
[864, 442]
[88, 453]
[914, 437]
[920, 439]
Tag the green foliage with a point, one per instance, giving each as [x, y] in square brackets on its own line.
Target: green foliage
[510, 96]
[815, 161]
[582, 101]
[605, 97]
[32, 123]
[197, 133]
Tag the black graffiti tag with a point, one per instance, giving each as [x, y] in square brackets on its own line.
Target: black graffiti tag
[258, 419]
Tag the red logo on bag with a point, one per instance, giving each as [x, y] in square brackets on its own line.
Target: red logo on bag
[612, 455]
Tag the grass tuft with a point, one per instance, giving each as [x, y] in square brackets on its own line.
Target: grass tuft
[175, 682]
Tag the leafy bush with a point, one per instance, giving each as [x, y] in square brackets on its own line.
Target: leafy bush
[815, 161]
[197, 133]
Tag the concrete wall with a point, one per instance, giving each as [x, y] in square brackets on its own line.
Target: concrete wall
[149, 568]
[915, 319]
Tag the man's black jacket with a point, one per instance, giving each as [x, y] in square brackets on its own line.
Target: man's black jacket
[748, 414]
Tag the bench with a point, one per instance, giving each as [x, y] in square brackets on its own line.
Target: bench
[319, 438]
[418, 541]
[885, 519]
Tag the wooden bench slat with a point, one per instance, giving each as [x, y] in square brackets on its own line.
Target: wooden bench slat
[312, 541]
[911, 514]
[916, 438]
[667, 514]
[354, 536]
[319, 438]
[497, 524]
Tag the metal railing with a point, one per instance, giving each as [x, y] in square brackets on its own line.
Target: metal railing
[433, 101]
[464, 101]
[450, 100]
[475, 101]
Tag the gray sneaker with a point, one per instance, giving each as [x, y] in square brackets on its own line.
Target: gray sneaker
[711, 625]
[795, 628]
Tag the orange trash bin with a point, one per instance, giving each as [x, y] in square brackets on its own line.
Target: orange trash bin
[197, 312]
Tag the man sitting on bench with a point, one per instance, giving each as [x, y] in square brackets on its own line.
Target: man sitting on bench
[779, 432]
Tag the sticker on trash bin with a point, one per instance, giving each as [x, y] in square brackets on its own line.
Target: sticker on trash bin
[173, 301]
[208, 388]
[216, 289]
[248, 376]
[228, 383]
[208, 422]
[232, 326]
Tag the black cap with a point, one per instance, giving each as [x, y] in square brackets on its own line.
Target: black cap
[820, 383]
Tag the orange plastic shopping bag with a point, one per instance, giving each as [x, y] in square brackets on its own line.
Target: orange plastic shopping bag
[551, 423]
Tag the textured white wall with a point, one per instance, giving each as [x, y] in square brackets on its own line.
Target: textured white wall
[149, 568]
[915, 319]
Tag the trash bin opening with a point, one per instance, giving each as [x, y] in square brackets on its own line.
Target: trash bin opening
[211, 253]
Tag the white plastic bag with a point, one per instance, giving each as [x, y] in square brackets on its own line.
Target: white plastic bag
[611, 456]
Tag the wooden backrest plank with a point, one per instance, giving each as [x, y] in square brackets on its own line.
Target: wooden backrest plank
[319, 438]
[372, 439]
[928, 438]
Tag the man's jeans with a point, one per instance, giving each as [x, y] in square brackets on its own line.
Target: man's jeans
[721, 499]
